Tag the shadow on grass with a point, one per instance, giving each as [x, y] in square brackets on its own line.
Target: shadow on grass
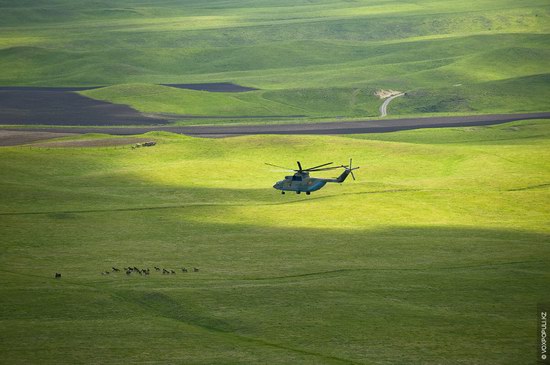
[294, 290]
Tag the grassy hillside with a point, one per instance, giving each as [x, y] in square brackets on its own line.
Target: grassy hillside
[302, 102]
[421, 260]
[289, 47]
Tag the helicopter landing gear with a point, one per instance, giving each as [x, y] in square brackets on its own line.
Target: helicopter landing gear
[298, 192]
[307, 193]
[282, 192]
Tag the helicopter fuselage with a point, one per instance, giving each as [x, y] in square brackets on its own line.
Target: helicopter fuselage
[300, 183]
[303, 183]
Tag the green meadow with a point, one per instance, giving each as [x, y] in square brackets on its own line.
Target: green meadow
[318, 59]
[437, 253]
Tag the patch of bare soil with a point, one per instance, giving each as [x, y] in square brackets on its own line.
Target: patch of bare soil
[31, 106]
[46, 88]
[355, 127]
[16, 138]
[384, 94]
[100, 142]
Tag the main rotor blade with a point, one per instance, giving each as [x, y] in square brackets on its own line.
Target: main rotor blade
[326, 168]
[299, 166]
[281, 167]
[312, 168]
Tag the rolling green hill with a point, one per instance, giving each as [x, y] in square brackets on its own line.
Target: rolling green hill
[438, 253]
[292, 50]
[303, 102]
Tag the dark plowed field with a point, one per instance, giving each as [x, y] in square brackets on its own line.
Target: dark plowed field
[331, 128]
[103, 142]
[63, 107]
[16, 138]
[26, 105]
[46, 88]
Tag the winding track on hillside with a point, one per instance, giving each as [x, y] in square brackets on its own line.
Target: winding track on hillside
[384, 106]
[328, 128]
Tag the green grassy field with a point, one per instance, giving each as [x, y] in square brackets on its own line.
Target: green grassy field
[322, 58]
[438, 253]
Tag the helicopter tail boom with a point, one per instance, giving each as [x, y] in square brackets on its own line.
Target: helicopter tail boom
[341, 178]
[347, 171]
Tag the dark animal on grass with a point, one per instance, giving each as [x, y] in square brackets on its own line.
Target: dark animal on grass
[164, 271]
[57, 275]
[105, 273]
[115, 269]
[183, 269]
[128, 272]
[195, 269]
[157, 268]
[172, 272]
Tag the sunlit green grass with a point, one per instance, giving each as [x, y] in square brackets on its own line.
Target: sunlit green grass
[438, 253]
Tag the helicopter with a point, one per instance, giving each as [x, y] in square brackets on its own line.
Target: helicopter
[302, 182]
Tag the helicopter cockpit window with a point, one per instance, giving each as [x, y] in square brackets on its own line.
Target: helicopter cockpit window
[296, 178]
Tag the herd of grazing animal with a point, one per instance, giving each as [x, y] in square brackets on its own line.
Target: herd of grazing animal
[135, 270]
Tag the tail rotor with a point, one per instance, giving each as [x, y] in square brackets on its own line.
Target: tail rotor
[350, 169]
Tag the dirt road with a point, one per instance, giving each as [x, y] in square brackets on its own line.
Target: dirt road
[330, 128]
[384, 106]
